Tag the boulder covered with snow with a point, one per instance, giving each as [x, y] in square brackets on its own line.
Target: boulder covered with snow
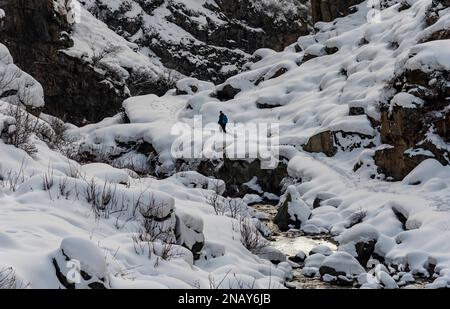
[299, 257]
[340, 267]
[359, 241]
[293, 211]
[80, 264]
[321, 249]
[106, 173]
[191, 86]
[189, 232]
[16, 86]
[312, 265]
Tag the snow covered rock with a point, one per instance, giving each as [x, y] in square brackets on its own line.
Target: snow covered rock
[106, 173]
[212, 250]
[191, 86]
[368, 281]
[299, 257]
[343, 267]
[312, 265]
[321, 249]
[359, 241]
[293, 211]
[386, 280]
[16, 86]
[80, 264]
[272, 254]
[189, 233]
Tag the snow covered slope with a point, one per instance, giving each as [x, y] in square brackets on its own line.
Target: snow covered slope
[330, 97]
[350, 99]
[64, 225]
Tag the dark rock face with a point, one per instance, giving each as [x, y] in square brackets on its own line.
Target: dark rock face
[283, 219]
[416, 134]
[236, 173]
[364, 250]
[33, 32]
[328, 10]
[219, 37]
[322, 142]
[227, 93]
[329, 142]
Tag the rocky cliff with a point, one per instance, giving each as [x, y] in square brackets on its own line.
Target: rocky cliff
[77, 86]
[420, 129]
[209, 40]
[328, 10]
[34, 33]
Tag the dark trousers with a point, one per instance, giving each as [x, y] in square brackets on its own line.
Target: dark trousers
[223, 126]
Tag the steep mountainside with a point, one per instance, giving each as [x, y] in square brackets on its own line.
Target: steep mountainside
[159, 42]
[207, 39]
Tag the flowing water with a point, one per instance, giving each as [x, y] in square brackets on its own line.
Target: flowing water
[290, 243]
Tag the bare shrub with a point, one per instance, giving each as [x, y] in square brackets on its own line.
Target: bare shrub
[233, 207]
[11, 179]
[74, 171]
[48, 180]
[99, 55]
[63, 188]
[59, 138]
[8, 280]
[101, 198]
[251, 238]
[153, 221]
[164, 250]
[142, 80]
[216, 201]
[25, 126]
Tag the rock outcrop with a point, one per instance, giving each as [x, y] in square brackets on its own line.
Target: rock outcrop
[38, 33]
[415, 122]
[35, 33]
[328, 10]
[236, 173]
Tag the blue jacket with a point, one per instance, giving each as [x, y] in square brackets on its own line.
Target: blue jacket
[223, 119]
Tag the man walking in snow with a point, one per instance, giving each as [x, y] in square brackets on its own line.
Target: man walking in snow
[223, 120]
